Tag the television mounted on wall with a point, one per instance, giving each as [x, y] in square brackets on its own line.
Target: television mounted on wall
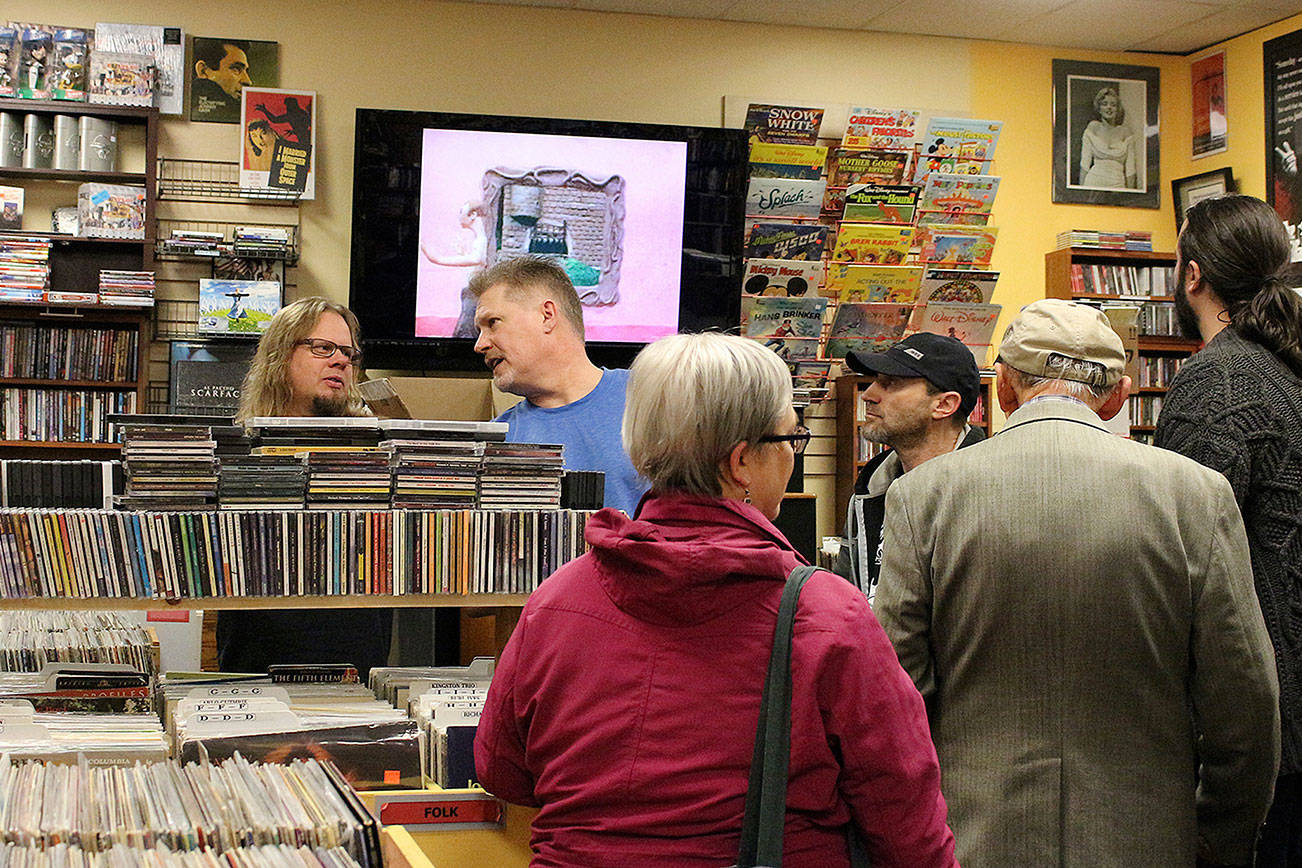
[646, 219]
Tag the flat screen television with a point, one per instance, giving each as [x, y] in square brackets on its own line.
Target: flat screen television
[645, 218]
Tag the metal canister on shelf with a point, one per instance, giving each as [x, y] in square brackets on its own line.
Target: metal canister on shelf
[38, 133]
[99, 144]
[11, 139]
[67, 142]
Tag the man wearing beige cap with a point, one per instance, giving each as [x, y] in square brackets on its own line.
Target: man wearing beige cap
[1077, 609]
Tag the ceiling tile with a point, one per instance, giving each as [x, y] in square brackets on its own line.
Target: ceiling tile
[556, 4]
[1108, 25]
[1216, 27]
[836, 14]
[997, 17]
[1179, 26]
[710, 9]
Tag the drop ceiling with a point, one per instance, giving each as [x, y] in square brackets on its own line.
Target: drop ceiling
[1169, 26]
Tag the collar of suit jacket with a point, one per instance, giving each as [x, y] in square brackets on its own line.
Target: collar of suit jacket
[1066, 411]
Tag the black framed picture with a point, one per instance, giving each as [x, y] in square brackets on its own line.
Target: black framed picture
[1105, 134]
[1188, 192]
[1282, 59]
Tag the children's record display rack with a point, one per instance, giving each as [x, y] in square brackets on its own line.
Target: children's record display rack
[856, 241]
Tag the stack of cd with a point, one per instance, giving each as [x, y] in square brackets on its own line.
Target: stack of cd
[168, 466]
[436, 463]
[521, 476]
[192, 242]
[231, 439]
[261, 242]
[261, 482]
[126, 288]
[435, 474]
[355, 478]
[24, 268]
[583, 489]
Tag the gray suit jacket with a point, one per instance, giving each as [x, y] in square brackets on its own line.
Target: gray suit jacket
[1073, 606]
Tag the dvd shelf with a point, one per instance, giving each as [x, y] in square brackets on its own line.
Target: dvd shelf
[47, 417]
[1146, 278]
[43, 352]
[209, 228]
[63, 369]
[854, 449]
[1157, 319]
[1157, 372]
[1122, 280]
[75, 258]
[1144, 410]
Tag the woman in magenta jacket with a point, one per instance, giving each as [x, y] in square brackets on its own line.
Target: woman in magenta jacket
[625, 703]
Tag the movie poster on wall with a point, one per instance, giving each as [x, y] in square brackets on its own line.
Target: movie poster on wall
[278, 141]
[1208, 82]
[1282, 58]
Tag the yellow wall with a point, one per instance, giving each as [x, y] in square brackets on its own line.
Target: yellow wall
[1014, 83]
[1244, 110]
[424, 54]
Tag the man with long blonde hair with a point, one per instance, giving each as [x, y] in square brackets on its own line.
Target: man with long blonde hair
[306, 365]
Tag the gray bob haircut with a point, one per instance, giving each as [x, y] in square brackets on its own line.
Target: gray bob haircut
[692, 398]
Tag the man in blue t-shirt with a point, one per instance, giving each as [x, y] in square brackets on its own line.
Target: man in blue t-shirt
[530, 325]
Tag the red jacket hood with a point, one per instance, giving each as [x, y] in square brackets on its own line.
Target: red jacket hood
[686, 559]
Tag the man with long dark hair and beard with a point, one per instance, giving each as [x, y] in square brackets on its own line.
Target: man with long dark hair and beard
[1236, 407]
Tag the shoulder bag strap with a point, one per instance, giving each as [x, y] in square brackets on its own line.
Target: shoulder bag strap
[766, 797]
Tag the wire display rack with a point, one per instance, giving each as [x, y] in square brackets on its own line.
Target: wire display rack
[167, 247]
[213, 181]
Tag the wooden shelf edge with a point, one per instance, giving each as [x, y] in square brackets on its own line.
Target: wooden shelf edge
[59, 444]
[65, 238]
[437, 601]
[62, 309]
[74, 175]
[1107, 296]
[29, 382]
[1110, 253]
[75, 107]
[1154, 342]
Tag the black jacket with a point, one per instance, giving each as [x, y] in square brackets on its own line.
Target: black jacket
[864, 517]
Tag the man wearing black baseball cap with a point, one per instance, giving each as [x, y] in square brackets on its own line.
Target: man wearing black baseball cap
[923, 390]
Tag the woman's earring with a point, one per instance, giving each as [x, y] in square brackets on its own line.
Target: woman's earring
[746, 499]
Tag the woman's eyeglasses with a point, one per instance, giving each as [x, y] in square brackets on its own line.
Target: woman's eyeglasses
[799, 440]
[324, 349]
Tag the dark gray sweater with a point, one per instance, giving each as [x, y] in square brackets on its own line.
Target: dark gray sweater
[1236, 408]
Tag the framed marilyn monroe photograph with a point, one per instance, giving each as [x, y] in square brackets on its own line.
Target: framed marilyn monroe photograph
[1105, 134]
